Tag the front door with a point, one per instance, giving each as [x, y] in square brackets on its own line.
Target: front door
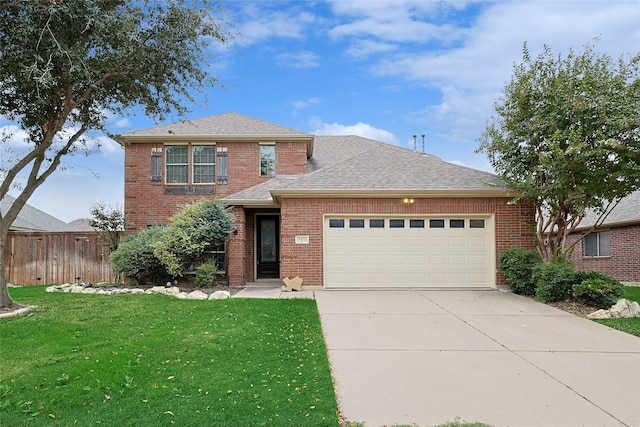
[268, 242]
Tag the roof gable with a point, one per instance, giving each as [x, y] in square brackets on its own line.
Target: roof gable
[227, 124]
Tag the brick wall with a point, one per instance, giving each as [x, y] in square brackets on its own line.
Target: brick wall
[147, 204]
[623, 263]
[304, 217]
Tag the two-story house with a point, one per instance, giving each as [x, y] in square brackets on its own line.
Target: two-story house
[337, 211]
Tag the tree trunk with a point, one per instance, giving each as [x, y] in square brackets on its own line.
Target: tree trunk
[5, 299]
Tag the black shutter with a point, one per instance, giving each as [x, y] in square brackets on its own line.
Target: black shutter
[222, 166]
[156, 166]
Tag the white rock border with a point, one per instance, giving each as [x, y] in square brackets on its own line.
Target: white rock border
[622, 309]
[81, 288]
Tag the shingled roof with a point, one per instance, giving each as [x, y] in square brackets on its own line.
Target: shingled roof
[230, 124]
[627, 212]
[32, 219]
[352, 165]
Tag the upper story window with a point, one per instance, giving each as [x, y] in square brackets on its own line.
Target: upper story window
[597, 244]
[202, 167]
[204, 164]
[177, 164]
[267, 159]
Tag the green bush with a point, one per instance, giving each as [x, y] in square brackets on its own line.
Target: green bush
[601, 292]
[205, 275]
[516, 265]
[554, 281]
[191, 232]
[134, 257]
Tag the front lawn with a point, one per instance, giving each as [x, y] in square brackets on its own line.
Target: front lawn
[629, 325]
[152, 360]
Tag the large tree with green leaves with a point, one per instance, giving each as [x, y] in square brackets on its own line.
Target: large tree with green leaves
[566, 135]
[66, 64]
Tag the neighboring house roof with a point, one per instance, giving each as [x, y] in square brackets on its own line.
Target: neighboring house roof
[81, 224]
[627, 212]
[352, 165]
[32, 219]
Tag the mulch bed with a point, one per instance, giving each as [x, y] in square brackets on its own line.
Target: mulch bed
[574, 306]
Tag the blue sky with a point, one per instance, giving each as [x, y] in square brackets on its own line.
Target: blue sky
[380, 69]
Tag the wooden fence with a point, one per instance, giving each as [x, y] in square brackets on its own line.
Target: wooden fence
[37, 258]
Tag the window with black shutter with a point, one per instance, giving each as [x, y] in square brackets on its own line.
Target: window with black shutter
[223, 166]
[156, 166]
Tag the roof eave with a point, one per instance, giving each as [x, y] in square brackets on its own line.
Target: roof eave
[217, 137]
[252, 203]
[606, 225]
[400, 192]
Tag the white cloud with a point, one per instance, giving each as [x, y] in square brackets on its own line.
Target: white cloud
[364, 48]
[472, 75]
[257, 23]
[304, 103]
[302, 59]
[360, 129]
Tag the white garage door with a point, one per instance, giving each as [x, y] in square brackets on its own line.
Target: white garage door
[408, 252]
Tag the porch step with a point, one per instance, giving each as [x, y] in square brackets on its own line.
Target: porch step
[265, 283]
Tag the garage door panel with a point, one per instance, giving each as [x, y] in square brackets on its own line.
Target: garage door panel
[410, 256]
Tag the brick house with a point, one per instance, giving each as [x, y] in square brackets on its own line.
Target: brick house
[337, 211]
[613, 248]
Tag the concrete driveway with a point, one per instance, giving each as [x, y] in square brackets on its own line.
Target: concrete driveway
[429, 357]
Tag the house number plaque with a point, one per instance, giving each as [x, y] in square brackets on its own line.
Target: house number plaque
[302, 240]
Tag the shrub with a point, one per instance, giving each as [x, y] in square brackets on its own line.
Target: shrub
[134, 257]
[601, 292]
[205, 275]
[554, 281]
[192, 231]
[516, 265]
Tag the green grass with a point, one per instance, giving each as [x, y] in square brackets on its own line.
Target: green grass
[629, 325]
[152, 360]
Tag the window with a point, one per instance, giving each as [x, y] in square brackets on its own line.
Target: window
[396, 223]
[416, 223]
[356, 223]
[177, 164]
[267, 160]
[336, 223]
[204, 164]
[219, 255]
[456, 223]
[376, 223]
[476, 223]
[177, 157]
[436, 223]
[597, 244]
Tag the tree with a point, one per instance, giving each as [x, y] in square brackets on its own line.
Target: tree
[566, 136]
[110, 224]
[65, 64]
[195, 229]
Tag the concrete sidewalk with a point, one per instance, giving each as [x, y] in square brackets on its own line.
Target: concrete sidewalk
[428, 357]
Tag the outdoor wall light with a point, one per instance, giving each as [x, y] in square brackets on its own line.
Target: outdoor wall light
[234, 229]
[408, 201]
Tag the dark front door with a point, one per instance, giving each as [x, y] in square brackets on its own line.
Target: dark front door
[268, 241]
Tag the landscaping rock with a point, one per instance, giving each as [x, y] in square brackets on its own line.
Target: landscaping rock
[622, 309]
[198, 295]
[220, 295]
[173, 291]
